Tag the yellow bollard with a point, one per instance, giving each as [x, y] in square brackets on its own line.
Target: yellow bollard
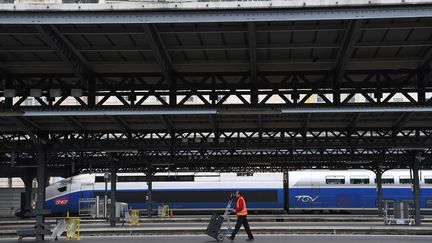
[134, 217]
[73, 228]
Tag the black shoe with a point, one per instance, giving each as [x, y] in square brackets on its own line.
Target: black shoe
[230, 238]
[250, 239]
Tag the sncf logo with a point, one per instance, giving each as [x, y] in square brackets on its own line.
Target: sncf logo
[61, 201]
[306, 198]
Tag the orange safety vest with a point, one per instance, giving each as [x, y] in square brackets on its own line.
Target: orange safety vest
[243, 212]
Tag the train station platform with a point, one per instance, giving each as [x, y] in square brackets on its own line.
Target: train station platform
[259, 238]
[263, 225]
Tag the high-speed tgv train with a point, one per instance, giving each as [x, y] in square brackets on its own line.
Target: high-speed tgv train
[314, 190]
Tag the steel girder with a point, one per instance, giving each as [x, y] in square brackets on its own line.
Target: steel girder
[249, 140]
[209, 16]
[213, 160]
[219, 89]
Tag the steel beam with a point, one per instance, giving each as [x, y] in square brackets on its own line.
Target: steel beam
[402, 120]
[210, 16]
[416, 189]
[229, 110]
[354, 120]
[350, 38]
[41, 158]
[426, 61]
[360, 109]
[113, 191]
[212, 47]
[378, 173]
[213, 123]
[307, 122]
[169, 125]
[286, 190]
[66, 51]
[163, 59]
[253, 62]
[149, 174]
[322, 27]
[28, 183]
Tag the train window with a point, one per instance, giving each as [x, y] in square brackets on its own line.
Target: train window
[144, 178]
[405, 180]
[131, 179]
[155, 178]
[428, 180]
[174, 178]
[386, 180]
[62, 189]
[333, 180]
[429, 203]
[359, 180]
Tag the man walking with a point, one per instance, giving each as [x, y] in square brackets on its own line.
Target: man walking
[241, 212]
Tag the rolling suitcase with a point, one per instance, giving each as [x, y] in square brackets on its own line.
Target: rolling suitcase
[214, 229]
[215, 225]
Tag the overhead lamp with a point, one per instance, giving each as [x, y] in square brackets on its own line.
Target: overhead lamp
[120, 150]
[9, 93]
[76, 93]
[54, 93]
[36, 93]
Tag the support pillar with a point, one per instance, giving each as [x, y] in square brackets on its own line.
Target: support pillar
[286, 191]
[149, 176]
[28, 183]
[416, 191]
[113, 194]
[40, 200]
[378, 173]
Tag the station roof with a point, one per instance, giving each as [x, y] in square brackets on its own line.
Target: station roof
[200, 48]
[272, 61]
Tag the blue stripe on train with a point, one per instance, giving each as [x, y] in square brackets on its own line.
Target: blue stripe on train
[73, 201]
[350, 197]
[299, 198]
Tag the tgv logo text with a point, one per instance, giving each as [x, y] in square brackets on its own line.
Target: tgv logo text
[306, 198]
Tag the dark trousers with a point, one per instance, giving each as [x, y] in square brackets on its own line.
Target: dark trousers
[242, 220]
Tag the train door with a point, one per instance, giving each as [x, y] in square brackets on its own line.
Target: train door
[315, 194]
[87, 190]
[308, 193]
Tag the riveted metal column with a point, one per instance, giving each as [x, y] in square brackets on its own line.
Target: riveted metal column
[113, 193]
[286, 191]
[40, 200]
[149, 175]
[28, 183]
[378, 173]
[416, 191]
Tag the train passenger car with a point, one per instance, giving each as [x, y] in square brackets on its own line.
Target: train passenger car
[354, 190]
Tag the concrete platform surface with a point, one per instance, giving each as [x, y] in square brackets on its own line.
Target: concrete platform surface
[258, 238]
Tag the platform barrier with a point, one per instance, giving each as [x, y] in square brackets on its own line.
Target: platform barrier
[164, 211]
[398, 212]
[73, 228]
[133, 217]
